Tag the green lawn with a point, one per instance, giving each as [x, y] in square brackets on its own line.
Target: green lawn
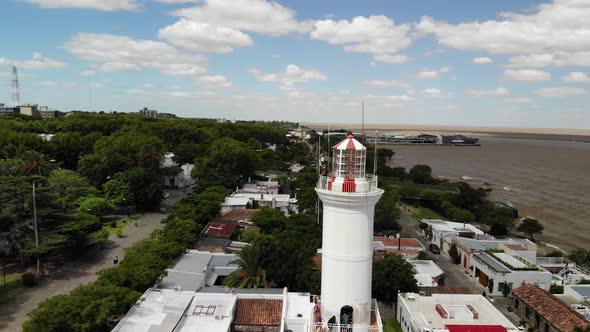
[120, 225]
[13, 288]
[391, 325]
[425, 213]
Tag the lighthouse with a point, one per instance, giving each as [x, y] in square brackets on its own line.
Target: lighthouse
[349, 196]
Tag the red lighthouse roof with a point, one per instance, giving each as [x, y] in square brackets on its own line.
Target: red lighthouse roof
[349, 143]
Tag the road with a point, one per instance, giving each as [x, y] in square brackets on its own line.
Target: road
[454, 274]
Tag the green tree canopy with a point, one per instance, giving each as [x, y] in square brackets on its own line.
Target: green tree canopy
[530, 226]
[96, 206]
[392, 274]
[250, 272]
[70, 187]
[421, 174]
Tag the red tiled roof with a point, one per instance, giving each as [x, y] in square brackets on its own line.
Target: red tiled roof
[239, 214]
[258, 312]
[411, 242]
[221, 228]
[475, 328]
[554, 311]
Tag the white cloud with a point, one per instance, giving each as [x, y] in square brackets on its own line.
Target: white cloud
[518, 100]
[204, 37]
[435, 94]
[275, 56]
[560, 92]
[525, 75]
[491, 93]
[446, 69]
[387, 84]
[292, 74]
[177, 1]
[48, 84]
[481, 60]
[398, 98]
[552, 34]
[215, 81]
[576, 77]
[377, 35]
[391, 58]
[121, 53]
[86, 73]
[104, 5]
[288, 79]
[147, 86]
[427, 74]
[259, 16]
[38, 62]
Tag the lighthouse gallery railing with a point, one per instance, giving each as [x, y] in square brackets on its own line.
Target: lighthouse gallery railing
[371, 179]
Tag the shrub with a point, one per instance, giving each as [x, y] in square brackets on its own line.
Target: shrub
[556, 289]
[113, 224]
[29, 279]
[119, 232]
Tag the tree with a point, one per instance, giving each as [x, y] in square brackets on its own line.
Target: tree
[501, 221]
[36, 163]
[421, 174]
[250, 272]
[225, 163]
[186, 152]
[461, 215]
[580, 256]
[87, 308]
[530, 226]
[387, 212]
[454, 254]
[70, 188]
[96, 206]
[392, 274]
[556, 289]
[268, 220]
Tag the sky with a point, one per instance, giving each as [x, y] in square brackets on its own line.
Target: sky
[494, 63]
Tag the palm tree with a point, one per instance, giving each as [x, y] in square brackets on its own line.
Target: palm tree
[250, 272]
[36, 163]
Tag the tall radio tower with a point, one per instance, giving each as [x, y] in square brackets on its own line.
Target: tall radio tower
[15, 92]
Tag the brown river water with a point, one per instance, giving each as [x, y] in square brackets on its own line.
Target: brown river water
[546, 179]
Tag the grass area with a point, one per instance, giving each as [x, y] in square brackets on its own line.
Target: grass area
[13, 288]
[425, 213]
[391, 325]
[119, 225]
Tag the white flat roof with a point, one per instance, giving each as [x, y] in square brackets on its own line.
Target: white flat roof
[427, 267]
[209, 312]
[424, 280]
[451, 226]
[424, 314]
[158, 310]
[510, 260]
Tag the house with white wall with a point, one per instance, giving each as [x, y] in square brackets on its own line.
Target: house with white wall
[443, 232]
[497, 269]
[467, 247]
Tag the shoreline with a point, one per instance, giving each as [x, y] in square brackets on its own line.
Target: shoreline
[571, 135]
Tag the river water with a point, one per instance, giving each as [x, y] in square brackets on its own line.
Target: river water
[546, 179]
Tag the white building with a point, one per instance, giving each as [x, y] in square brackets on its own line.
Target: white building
[449, 313]
[240, 200]
[166, 310]
[349, 198]
[183, 179]
[443, 232]
[520, 247]
[427, 273]
[261, 187]
[500, 268]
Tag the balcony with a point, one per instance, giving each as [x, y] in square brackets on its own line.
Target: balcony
[363, 185]
[376, 325]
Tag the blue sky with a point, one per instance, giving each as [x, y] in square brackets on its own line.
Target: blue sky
[485, 63]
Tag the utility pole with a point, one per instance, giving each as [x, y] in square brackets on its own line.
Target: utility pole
[36, 228]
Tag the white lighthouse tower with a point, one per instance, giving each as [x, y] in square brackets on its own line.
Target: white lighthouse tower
[349, 197]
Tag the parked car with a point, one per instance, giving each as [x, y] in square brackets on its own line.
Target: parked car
[434, 248]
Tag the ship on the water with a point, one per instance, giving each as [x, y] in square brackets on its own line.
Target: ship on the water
[456, 139]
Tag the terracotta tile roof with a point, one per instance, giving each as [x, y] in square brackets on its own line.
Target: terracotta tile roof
[221, 228]
[258, 312]
[554, 311]
[239, 214]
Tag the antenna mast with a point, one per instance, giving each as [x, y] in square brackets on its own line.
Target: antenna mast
[363, 122]
[375, 154]
[15, 89]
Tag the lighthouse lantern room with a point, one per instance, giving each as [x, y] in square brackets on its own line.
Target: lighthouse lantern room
[349, 197]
